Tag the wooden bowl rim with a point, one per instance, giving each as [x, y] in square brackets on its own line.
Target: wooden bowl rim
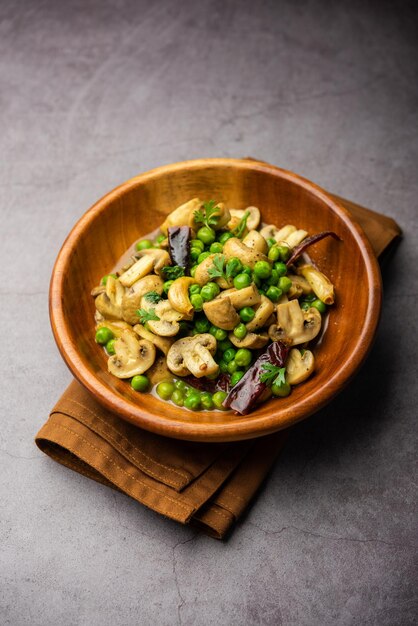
[250, 426]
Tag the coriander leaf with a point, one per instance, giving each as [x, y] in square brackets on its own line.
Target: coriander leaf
[152, 296]
[273, 374]
[171, 272]
[217, 269]
[147, 316]
[199, 217]
[238, 231]
[208, 216]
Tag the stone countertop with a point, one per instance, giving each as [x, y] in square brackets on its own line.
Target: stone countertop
[93, 93]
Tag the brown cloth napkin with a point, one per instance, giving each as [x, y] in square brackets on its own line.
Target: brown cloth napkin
[207, 485]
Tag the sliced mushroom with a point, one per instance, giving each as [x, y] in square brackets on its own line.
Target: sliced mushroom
[193, 355]
[132, 298]
[321, 285]
[162, 343]
[159, 371]
[300, 286]
[138, 270]
[251, 340]
[221, 313]
[182, 216]
[295, 238]
[109, 303]
[168, 323]
[299, 367]
[262, 314]
[96, 291]
[295, 326]
[248, 296]
[255, 241]
[160, 258]
[132, 356]
[248, 256]
[202, 275]
[253, 219]
[178, 295]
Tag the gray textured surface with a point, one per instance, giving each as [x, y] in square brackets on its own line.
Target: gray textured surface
[91, 93]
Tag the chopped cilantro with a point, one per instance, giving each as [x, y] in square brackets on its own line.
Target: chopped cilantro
[273, 374]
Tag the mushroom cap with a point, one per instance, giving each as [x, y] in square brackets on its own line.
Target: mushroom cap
[132, 356]
[253, 219]
[255, 241]
[295, 326]
[159, 371]
[247, 296]
[193, 355]
[161, 258]
[117, 327]
[168, 324]
[299, 367]
[132, 297]
[248, 256]
[109, 303]
[251, 340]
[221, 313]
[178, 295]
[182, 216]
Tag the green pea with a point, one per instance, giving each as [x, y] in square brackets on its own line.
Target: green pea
[274, 278]
[233, 266]
[318, 304]
[197, 301]
[274, 293]
[243, 357]
[281, 390]
[202, 256]
[110, 346]
[209, 291]
[262, 269]
[310, 297]
[104, 279]
[236, 377]
[218, 333]
[271, 242]
[178, 397]
[241, 281]
[195, 253]
[103, 335]
[144, 244]
[206, 401]
[181, 385]
[232, 367]
[229, 355]
[165, 389]
[218, 399]
[192, 401]
[216, 247]
[274, 253]
[223, 366]
[225, 344]
[247, 314]
[246, 269]
[140, 383]
[194, 289]
[202, 325]
[284, 284]
[167, 285]
[257, 280]
[193, 270]
[240, 331]
[196, 243]
[305, 306]
[207, 235]
[281, 268]
[223, 237]
[160, 238]
[284, 252]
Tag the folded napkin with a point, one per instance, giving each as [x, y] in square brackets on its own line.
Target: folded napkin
[207, 485]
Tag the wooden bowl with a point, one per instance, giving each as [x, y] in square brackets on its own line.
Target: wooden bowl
[139, 206]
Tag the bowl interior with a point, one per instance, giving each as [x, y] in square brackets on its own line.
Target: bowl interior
[138, 207]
